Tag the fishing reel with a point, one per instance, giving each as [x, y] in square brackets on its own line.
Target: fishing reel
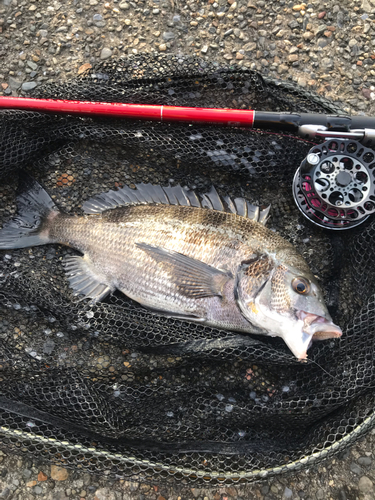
[334, 186]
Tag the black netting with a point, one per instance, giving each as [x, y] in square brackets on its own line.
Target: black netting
[114, 388]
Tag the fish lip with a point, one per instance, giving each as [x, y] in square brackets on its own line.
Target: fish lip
[298, 342]
[319, 327]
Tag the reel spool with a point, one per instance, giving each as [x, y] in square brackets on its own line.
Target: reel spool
[334, 186]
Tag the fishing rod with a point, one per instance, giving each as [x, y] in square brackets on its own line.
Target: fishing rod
[334, 186]
[308, 125]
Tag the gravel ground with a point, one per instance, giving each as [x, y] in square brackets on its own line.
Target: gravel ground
[326, 47]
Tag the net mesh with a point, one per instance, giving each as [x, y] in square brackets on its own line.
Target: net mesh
[119, 390]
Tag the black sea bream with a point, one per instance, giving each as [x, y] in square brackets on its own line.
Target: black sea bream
[195, 259]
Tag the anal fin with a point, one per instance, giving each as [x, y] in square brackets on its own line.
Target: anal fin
[84, 280]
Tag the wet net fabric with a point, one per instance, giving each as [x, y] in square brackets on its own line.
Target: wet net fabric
[119, 390]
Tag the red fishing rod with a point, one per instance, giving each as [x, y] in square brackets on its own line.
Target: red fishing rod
[334, 187]
[306, 124]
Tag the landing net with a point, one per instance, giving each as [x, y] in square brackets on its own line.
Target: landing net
[118, 390]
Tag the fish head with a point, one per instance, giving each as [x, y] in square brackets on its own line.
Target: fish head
[284, 301]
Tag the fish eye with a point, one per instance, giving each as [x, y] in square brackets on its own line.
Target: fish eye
[301, 285]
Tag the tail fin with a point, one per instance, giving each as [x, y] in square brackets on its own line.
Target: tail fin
[30, 226]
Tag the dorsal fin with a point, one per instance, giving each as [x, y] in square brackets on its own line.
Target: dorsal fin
[176, 195]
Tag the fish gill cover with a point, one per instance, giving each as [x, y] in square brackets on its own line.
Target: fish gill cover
[116, 389]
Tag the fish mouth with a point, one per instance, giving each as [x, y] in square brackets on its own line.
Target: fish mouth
[319, 327]
[314, 327]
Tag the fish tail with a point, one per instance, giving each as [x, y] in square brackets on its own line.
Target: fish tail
[35, 212]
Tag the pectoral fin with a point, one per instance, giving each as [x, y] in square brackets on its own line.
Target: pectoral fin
[193, 278]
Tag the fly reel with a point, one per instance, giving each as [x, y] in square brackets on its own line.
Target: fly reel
[334, 186]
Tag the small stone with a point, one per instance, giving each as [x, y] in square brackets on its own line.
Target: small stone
[282, 68]
[32, 65]
[14, 84]
[43, 40]
[299, 7]
[42, 476]
[32, 7]
[105, 53]
[204, 49]
[239, 56]
[58, 473]
[307, 35]
[38, 490]
[162, 47]
[29, 86]
[26, 474]
[327, 63]
[365, 485]
[4, 85]
[104, 494]
[355, 468]
[124, 6]
[367, 5]
[30, 484]
[320, 494]
[168, 35]
[293, 57]
[321, 15]
[84, 68]
[249, 46]
[155, 11]
[282, 33]
[365, 460]
[288, 493]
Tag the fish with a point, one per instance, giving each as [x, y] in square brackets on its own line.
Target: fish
[207, 259]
